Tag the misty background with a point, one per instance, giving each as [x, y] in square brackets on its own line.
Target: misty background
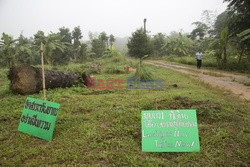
[118, 17]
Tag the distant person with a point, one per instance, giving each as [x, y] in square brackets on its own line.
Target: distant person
[199, 59]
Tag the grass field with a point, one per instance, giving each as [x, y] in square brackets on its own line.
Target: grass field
[102, 127]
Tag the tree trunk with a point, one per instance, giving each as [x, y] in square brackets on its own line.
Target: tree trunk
[26, 79]
[144, 21]
[219, 59]
[107, 43]
[111, 45]
[224, 57]
[241, 53]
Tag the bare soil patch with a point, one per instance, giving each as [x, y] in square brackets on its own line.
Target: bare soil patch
[231, 82]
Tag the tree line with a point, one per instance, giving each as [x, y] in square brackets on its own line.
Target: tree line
[60, 48]
[223, 37]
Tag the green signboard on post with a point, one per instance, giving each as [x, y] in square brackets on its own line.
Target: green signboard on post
[39, 118]
[169, 131]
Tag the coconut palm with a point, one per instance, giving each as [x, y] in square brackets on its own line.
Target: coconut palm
[7, 45]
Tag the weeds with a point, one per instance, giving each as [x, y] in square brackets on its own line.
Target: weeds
[247, 83]
[113, 70]
[141, 71]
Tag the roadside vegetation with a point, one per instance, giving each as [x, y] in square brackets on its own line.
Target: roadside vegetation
[224, 39]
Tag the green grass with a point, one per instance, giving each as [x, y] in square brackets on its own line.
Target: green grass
[102, 127]
[112, 69]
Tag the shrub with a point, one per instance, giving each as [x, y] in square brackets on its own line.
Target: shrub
[112, 69]
[142, 72]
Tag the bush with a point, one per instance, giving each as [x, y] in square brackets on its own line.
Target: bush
[114, 56]
[113, 70]
[111, 53]
[142, 72]
[243, 66]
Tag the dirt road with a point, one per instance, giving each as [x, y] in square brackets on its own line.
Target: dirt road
[232, 82]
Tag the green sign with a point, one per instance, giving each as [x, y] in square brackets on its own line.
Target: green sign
[170, 131]
[39, 118]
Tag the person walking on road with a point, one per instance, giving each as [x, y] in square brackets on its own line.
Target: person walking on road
[199, 59]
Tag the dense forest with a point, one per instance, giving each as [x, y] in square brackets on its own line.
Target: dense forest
[224, 39]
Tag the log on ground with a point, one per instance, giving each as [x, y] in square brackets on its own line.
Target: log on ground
[25, 79]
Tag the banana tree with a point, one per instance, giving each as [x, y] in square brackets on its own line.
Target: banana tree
[178, 45]
[243, 40]
[7, 45]
[54, 48]
[23, 51]
[221, 48]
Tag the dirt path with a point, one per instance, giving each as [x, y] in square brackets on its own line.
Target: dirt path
[232, 82]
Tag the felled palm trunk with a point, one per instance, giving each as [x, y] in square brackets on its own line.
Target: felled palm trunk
[26, 79]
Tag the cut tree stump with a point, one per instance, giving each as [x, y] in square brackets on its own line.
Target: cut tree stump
[25, 79]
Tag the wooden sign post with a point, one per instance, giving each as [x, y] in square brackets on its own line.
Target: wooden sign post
[39, 116]
[43, 75]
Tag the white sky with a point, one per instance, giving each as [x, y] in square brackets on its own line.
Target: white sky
[119, 17]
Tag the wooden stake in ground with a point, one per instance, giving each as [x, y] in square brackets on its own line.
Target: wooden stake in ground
[43, 75]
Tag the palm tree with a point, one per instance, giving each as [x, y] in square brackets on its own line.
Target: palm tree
[111, 40]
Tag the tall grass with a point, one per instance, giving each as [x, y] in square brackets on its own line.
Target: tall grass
[190, 60]
[114, 62]
[113, 69]
[142, 72]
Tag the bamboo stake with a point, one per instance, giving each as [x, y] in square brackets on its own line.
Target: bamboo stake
[43, 75]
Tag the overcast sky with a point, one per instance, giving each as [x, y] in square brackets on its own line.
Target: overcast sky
[119, 17]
